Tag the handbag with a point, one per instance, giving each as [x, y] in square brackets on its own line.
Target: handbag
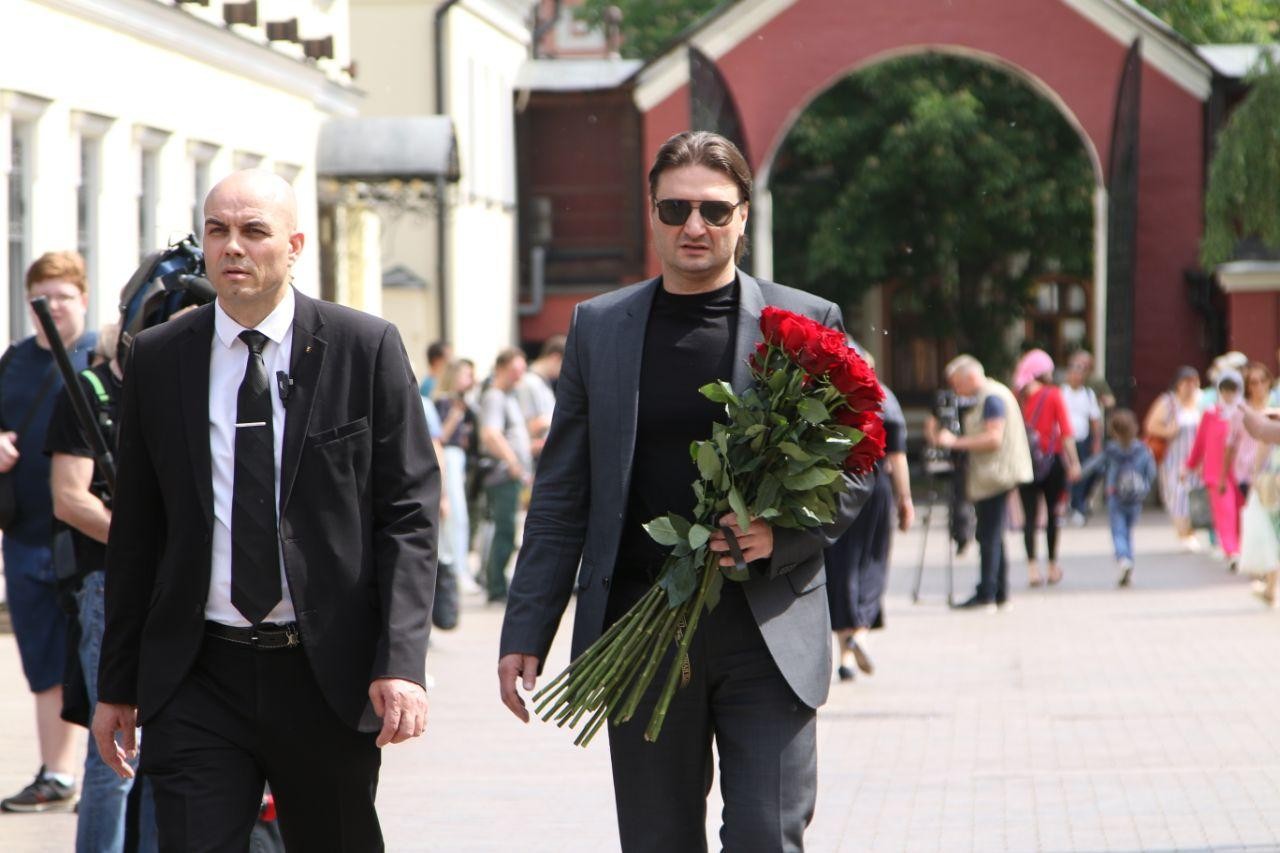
[1259, 545]
[1041, 460]
[8, 492]
[1159, 445]
[1198, 507]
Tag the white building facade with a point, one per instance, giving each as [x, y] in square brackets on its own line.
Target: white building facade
[117, 116]
[469, 278]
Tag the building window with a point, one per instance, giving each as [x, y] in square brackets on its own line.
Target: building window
[200, 190]
[1059, 317]
[148, 190]
[19, 208]
[201, 155]
[87, 202]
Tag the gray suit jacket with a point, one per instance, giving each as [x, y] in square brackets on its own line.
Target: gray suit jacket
[580, 495]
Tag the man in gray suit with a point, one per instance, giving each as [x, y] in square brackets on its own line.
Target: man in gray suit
[627, 408]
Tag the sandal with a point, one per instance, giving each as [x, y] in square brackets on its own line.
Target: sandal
[1055, 575]
[1033, 576]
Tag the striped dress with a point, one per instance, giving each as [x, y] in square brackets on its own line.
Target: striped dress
[1173, 488]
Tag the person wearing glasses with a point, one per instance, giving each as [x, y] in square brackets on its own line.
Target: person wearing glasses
[617, 455]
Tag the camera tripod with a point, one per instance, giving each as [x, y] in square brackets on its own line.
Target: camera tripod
[942, 473]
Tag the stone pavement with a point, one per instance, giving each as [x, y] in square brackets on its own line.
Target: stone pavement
[1084, 718]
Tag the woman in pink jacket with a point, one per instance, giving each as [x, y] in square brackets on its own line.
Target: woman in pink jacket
[1209, 455]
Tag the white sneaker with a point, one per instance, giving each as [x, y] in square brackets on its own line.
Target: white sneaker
[1077, 518]
[1126, 572]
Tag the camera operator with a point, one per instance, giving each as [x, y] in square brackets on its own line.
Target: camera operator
[995, 439]
[82, 502]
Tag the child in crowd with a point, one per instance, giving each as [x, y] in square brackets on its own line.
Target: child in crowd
[1209, 455]
[1130, 469]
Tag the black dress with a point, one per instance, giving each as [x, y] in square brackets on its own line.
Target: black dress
[858, 562]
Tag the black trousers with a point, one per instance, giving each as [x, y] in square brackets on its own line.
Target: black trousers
[765, 736]
[1052, 487]
[244, 717]
[993, 585]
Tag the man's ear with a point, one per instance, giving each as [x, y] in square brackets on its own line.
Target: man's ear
[296, 241]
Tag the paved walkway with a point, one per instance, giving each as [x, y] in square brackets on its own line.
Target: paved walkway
[1083, 718]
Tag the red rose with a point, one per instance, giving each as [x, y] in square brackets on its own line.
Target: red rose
[759, 357]
[856, 418]
[869, 451]
[823, 351]
[770, 317]
[794, 335]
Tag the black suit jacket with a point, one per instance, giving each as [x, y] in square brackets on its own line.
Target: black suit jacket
[359, 492]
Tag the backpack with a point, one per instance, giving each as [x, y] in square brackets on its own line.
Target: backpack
[1041, 459]
[1131, 485]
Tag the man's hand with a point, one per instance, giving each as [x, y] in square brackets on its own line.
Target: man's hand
[402, 705]
[107, 720]
[511, 667]
[8, 451]
[756, 541]
[1073, 473]
[945, 439]
[906, 514]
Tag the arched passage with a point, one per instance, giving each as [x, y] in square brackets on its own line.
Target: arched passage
[1008, 75]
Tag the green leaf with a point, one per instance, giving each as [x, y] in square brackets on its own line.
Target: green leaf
[810, 478]
[807, 517]
[661, 531]
[698, 535]
[793, 451]
[739, 508]
[679, 581]
[755, 429]
[679, 524]
[812, 410]
[708, 461]
[767, 492]
[770, 512]
[713, 592]
[719, 392]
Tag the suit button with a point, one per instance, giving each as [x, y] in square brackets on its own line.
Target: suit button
[604, 582]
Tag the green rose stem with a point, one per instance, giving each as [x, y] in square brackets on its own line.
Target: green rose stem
[567, 689]
[664, 639]
[618, 685]
[660, 710]
[585, 679]
[621, 663]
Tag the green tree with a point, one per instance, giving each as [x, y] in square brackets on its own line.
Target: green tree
[1242, 199]
[1220, 21]
[648, 26]
[945, 176]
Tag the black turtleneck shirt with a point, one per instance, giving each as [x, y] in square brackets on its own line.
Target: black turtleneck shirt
[689, 341]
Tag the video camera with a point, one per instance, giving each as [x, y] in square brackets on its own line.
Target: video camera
[165, 283]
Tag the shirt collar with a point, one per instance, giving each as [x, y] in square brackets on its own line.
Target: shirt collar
[274, 326]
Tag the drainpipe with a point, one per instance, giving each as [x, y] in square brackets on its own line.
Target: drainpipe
[442, 209]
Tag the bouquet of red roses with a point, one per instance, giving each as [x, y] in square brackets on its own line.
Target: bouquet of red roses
[811, 413]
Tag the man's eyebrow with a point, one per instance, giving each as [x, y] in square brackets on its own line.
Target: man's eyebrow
[213, 220]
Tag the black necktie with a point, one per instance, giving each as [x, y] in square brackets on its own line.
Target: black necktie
[255, 560]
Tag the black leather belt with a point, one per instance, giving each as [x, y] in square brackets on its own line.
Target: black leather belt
[265, 636]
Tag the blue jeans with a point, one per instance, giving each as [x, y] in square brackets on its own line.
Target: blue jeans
[100, 827]
[1123, 515]
[1082, 488]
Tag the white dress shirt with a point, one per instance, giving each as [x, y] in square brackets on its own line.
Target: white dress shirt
[227, 361]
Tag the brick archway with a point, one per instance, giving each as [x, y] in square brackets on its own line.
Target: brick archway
[776, 56]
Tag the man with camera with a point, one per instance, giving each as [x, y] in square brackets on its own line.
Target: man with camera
[995, 438]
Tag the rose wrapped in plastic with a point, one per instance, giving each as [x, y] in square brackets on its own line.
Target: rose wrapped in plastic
[811, 413]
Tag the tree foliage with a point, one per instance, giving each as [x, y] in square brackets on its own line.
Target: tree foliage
[945, 176]
[647, 25]
[1242, 199]
[1220, 21]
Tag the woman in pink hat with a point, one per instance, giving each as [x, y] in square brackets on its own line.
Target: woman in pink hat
[1053, 457]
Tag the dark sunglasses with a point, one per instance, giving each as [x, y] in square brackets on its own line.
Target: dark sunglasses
[675, 211]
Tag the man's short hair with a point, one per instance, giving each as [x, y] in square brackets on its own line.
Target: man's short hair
[711, 150]
[63, 266]
[964, 364]
[437, 351]
[507, 356]
[553, 345]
